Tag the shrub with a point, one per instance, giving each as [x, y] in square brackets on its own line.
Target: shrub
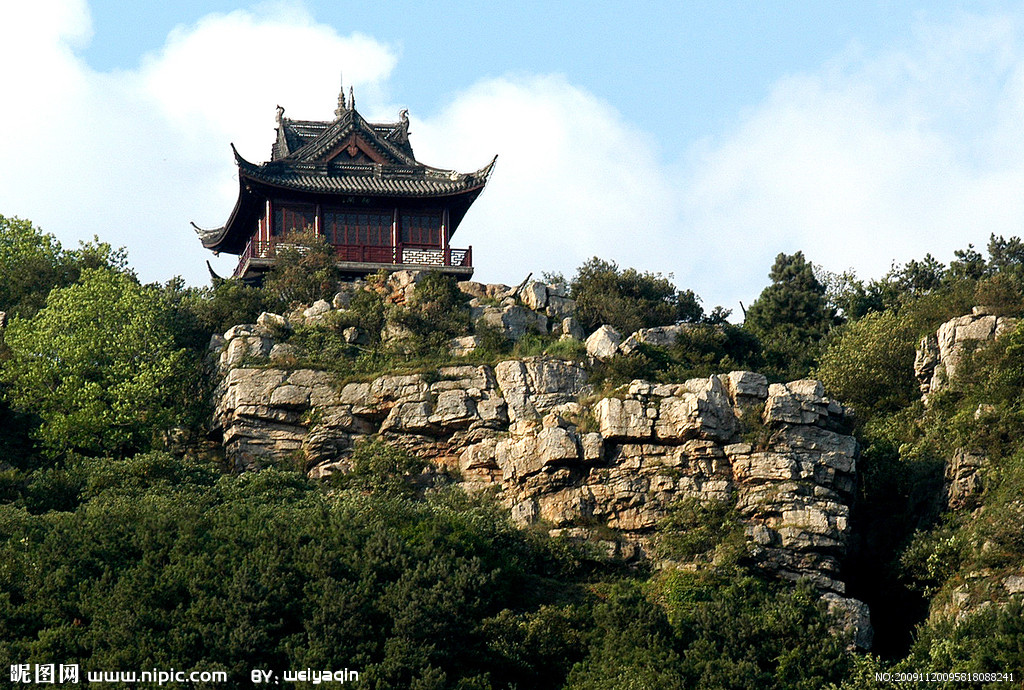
[629, 300]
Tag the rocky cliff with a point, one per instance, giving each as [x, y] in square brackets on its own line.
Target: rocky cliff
[969, 470]
[575, 462]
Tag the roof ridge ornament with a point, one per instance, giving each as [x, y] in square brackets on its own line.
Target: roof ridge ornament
[280, 116]
[341, 100]
[351, 98]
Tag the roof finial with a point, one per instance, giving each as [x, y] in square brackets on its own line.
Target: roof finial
[341, 100]
[351, 98]
[280, 115]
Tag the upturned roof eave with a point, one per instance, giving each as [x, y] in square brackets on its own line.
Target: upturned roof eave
[473, 181]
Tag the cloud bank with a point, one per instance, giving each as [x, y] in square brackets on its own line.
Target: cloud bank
[865, 160]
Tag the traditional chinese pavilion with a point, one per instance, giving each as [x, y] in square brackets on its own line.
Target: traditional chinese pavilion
[355, 183]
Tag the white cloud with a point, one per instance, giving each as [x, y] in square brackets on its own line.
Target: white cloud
[868, 159]
[573, 179]
[871, 159]
[133, 156]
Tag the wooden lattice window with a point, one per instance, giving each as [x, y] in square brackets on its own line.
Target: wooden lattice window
[421, 228]
[369, 229]
[289, 218]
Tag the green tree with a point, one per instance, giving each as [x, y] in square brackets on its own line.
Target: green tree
[31, 263]
[791, 316]
[304, 271]
[629, 300]
[870, 364]
[437, 311]
[98, 366]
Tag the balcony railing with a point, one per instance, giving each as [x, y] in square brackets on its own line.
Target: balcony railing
[418, 254]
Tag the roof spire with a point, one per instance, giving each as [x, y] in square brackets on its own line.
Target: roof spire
[341, 100]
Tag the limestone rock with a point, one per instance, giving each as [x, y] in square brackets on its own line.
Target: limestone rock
[283, 353]
[317, 311]
[623, 419]
[659, 336]
[460, 347]
[525, 429]
[270, 324]
[534, 295]
[746, 388]
[497, 291]
[453, 408]
[243, 345]
[560, 308]
[572, 328]
[939, 356]
[535, 386]
[853, 618]
[513, 320]
[342, 300]
[964, 479]
[395, 332]
[604, 343]
[472, 288]
[706, 413]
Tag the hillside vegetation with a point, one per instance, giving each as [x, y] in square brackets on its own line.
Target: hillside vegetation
[127, 543]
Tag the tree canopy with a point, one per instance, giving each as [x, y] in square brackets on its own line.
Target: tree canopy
[630, 300]
[791, 316]
[97, 364]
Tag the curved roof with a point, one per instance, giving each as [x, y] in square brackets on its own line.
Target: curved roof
[363, 178]
[345, 157]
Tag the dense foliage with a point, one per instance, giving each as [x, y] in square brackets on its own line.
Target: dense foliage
[791, 317]
[629, 300]
[125, 544]
[97, 365]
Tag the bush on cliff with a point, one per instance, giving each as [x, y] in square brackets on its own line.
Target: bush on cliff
[630, 300]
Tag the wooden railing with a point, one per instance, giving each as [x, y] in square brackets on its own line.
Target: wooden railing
[402, 254]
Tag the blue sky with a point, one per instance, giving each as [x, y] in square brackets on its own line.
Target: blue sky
[698, 139]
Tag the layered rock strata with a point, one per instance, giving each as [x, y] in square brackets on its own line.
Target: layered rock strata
[782, 453]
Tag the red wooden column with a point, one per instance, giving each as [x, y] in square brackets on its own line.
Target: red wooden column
[270, 228]
[396, 252]
[446, 250]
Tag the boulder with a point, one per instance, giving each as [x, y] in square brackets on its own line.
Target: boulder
[460, 347]
[342, 300]
[534, 295]
[938, 356]
[243, 348]
[560, 307]
[853, 618]
[964, 474]
[513, 320]
[622, 420]
[746, 388]
[271, 324]
[571, 327]
[317, 310]
[535, 386]
[497, 291]
[603, 343]
[472, 288]
[355, 336]
[705, 414]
